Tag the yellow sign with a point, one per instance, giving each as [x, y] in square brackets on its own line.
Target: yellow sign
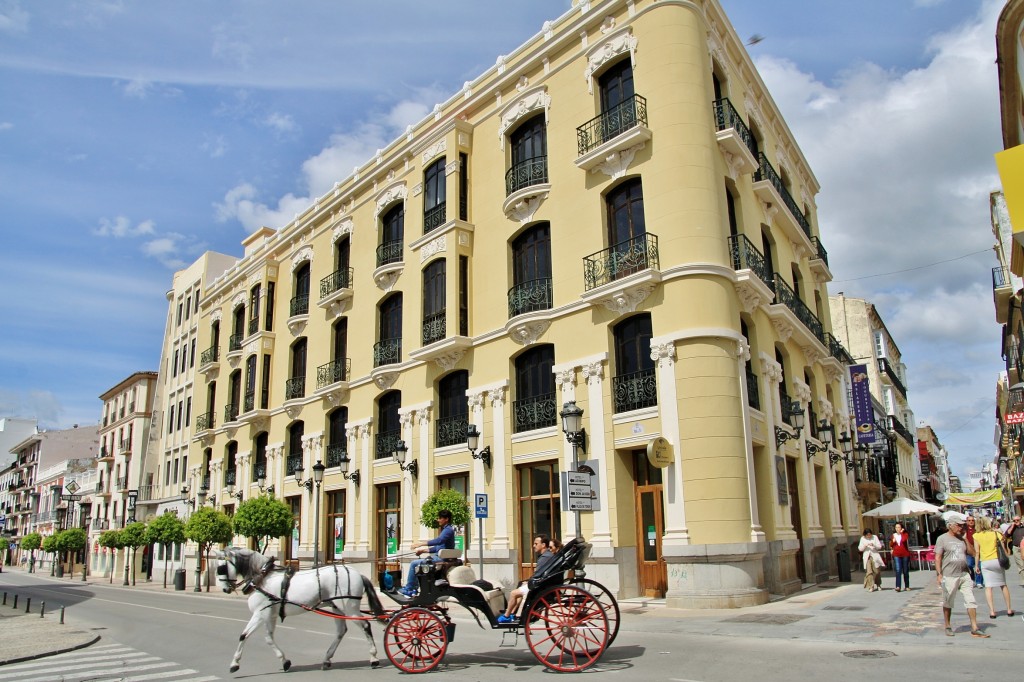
[977, 497]
[659, 453]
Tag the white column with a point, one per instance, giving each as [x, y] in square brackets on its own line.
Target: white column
[500, 469]
[243, 469]
[803, 394]
[365, 487]
[405, 420]
[566, 380]
[597, 448]
[676, 533]
[351, 488]
[771, 379]
[742, 357]
[425, 475]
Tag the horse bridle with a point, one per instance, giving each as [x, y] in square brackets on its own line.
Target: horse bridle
[222, 572]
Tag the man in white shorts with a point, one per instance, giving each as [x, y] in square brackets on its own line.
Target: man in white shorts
[951, 571]
[543, 550]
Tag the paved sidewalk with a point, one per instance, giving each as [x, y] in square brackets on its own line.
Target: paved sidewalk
[27, 636]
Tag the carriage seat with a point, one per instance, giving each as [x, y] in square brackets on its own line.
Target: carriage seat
[464, 577]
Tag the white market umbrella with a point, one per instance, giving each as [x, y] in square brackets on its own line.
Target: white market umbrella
[904, 506]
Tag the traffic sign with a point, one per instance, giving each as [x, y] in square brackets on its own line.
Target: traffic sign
[481, 505]
[72, 487]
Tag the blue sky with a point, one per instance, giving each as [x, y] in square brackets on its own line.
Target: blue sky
[136, 135]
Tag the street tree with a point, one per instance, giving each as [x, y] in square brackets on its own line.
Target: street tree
[31, 542]
[5, 544]
[50, 547]
[207, 526]
[166, 530]
[71, 541]
[262, 518]
[111, 539]
[133, 536]
[452, 500]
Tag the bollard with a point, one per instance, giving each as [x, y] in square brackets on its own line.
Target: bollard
[42, 609]
[28, 604]
[5, 599]
[62, 615]
[15, 601]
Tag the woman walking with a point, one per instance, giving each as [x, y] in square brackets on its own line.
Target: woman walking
[899, 543]
[985, 540]
[870, 548]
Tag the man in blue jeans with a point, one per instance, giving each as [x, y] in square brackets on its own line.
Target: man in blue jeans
[445, 540]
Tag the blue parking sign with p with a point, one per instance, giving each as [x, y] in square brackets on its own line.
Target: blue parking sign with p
[481, 505]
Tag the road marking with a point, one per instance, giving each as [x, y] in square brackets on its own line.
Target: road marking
[73, 665]
[104, 661]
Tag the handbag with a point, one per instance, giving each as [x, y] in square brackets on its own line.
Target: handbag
[1004, 561]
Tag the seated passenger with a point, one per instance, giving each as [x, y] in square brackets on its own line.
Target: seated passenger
[541, 547]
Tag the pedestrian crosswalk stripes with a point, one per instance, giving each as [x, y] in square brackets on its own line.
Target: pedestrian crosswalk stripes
[101, 662]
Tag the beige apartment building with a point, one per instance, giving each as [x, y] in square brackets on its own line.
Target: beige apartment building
[615, 215]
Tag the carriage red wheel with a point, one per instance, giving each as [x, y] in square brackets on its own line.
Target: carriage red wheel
[415, 640]
[605, 598]
[566, 628]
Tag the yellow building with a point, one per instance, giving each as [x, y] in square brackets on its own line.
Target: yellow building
[631, 227]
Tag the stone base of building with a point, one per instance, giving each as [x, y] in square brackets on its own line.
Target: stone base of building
[616, 569]
[725, 576]
[780, 567]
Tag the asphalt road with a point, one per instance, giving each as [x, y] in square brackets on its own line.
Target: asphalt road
[200, 632]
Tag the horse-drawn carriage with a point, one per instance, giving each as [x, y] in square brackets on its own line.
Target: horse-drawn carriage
[568, 621]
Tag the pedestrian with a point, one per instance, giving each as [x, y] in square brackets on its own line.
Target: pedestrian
[972, 565]
[445, 540]
[870, 548]
[951, 554]
[899, 543]
[1015, 535]
[986, 540]
[542, 548]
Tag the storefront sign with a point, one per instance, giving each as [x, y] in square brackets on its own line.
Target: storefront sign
[660, 453]
[860, 392]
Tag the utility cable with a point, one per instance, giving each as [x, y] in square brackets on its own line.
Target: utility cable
[919, 267]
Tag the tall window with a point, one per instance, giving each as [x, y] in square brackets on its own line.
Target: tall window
[343, 254]
[296, 386]
[300, 302]
[389, 523]
[453, 409]
[237, 329]
[388, 349]
[634, 385]
[538, 508]
[392, 232]
[335, 525]
[529, 155]
[269, 320]
[265, 383]
[535, 406]
[337, 443]
[250, 384]
[434, 196]
[389, 429]
[531, 271]
[616, 85]
[753, 388]
[259, 465]
[235, 397]
[295, 433]
[254, 309]
[626, 212]
[434, 327]
[230, 454]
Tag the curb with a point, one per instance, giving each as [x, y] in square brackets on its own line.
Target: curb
[33, 657]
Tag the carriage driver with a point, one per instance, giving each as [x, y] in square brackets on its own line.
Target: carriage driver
[445, 540]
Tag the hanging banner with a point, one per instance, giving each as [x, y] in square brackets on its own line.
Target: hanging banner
[863, 414]
[977, 497]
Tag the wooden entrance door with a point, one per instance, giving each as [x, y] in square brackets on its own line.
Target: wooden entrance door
[650, 527]
[794, 515]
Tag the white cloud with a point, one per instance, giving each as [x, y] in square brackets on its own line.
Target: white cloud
[281, 123]
[121, 227]
[215, 146]
[13, 19]
[42, 405]
[138, 88]
[5, 126]
[166, 249]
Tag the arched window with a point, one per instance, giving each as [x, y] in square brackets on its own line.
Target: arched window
[300, 301]
[529, 149]
[634, 385]
[296, 385]
[388, 349]
[254, 309]
[453, 409]
[389, 428]
[392, 232]
[625, 206]
[237, 329]
[434, 194]
[295, 433]
[434, 276]
[337, 443]
[616, 85]
[535, 406]
[531, 271]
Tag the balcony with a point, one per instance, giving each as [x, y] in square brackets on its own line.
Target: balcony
[205, 421]
[1002, 291]
[753, 274]
[336, 292]
[1012, 354]
[786, 298]
[526, 174]
[734, 139]
[837, 350]
[609, 141]
[333, 372]
[901, 430]
[299, 305]
[622, 276]
[451, 430]
[145, 493]
[434, 328]
[208, 361]
[889, 372]
[387, 352]
[295, 388]
[819, 261]
[389, 264]
[529, 297]
[530, 414]
[389, 253]
[100, 524]
[122, 484]
[335, 453]
[235, 344]
[434, 217]
[253, 326]
[385, 442]
[126, 447]
[231, 412]
[105, 455]
[768, 186]
[635, 390]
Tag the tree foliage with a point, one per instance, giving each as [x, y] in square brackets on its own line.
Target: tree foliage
[4, 544]
[111, 539]
[262, 518]
[32, 541]
[134, 536]
[166, 530]
[71, 540]
[449, 499]
[207, 526]
[49, 543]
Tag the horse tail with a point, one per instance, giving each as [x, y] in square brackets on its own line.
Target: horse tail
[371, 597]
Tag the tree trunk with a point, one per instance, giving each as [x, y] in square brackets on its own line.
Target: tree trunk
[167, 551]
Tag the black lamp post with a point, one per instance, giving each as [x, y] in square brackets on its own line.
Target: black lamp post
[576, 435]
[200, 500]
[344, 465]
[401, 450]
[824, 435]
[473, 442]
[261, 482]
[794, 415]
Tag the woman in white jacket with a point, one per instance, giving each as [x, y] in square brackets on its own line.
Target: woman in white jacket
[871, 551]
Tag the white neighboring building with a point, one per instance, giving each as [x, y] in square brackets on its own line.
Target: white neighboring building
[12, 431]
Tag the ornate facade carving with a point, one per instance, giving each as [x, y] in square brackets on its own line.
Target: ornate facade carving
[626, 300]
[565, 378]
[825, 410]
[497, 397]
[476, 401]
[341, 229]
[614, 45]
[743, 350]
[447, 361]
[664, 353]
[750, 298]
[523, 210]
[782, 328]
[772, 369]
[238, 300]
[385, 380]
[433, 150]
[396, 192]
[616, 163]
[433, 247]
[530, 101]
[528, 332]
[593, 373]
[803, 392]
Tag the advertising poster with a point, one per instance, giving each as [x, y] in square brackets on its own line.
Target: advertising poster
[862, 413]
[392, 530]
[339, 536]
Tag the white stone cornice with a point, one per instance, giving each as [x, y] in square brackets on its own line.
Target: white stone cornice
[611, 47]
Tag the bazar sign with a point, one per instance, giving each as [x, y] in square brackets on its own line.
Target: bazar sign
[1015, 418]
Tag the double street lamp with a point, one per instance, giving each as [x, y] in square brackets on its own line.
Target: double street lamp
[317, 479]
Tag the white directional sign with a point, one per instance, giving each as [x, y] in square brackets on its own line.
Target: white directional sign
[581, 494]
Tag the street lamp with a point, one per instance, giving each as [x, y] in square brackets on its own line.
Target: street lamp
[318, 477]
[231, 492]
[845, 446]
[473, 442]
[344, 465]
[401, 450]
[133, 496]
[261, 482]
[794, 415]
[824, 435]
[576, 435]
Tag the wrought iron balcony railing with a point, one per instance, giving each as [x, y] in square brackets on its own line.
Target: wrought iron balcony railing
[231, 412]
[887, 368]
[434, 217]
[617, 120]
[235, 342]
[335, 453]
[253, 326]
[753, 389]
[784, 294]
[896, 425]
[230, 476]
[621, 260]
[333, 372]
[387, 352]
[836, 349]
[534, 413]
[249, 401]
[528, 297]
[745, 256]
[635, 390]
[389, 252]
[385, 442]
[300, 305]
[526, 174]
[434, 327]
[451, 430]
[339, 279]
[209, 355]
[1000, 278]
[295, 388]
[727, 117]
[765, 171]
[206, 421]
[819, 251]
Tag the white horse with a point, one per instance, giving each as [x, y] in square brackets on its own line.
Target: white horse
[335, 590]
